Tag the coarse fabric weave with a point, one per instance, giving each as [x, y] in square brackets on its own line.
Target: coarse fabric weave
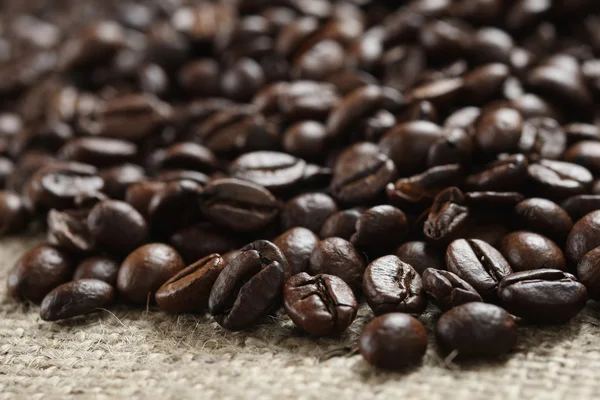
[129, 354]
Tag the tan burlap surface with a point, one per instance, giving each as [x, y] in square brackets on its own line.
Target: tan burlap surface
[137, 354]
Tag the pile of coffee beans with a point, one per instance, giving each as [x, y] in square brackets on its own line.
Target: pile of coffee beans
[244, 157]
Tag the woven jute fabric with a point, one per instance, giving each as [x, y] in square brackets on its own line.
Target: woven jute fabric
[124, 353]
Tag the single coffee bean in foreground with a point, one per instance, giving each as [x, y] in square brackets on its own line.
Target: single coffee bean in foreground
[76, 298]
[476, 330]
[393, 341]
[447, 290]
[322, 305]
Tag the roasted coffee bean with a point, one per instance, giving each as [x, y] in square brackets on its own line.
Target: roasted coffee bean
[140, 194]
[361, 173]
[117, 179]
[456, 147]
[274, 171]
[419, 111]
[421, 255]
[476, 330]
[341, 224]
[491, 44]
[175, 206]
[201, 240]
[188, 156]
[146, 269]
[391, 285]
[7, 167]
[503, 203]
[185, 175]
[393, 341]
[499, 131]
[57, 185]
[408, 144]
[484, 83]
[98, 267]
[96, 43]
[380, 229]
[588, 271]
[321, 305]
[478, 263]
[249, 287]
[558, 179]
[336, 256]
[238, 205]
[305, 139]
[504, 174]
[585, 153]
[527, 250]
[189, 289]
[39, 271]
[443, 93]
[76, 298]
[98, 151]
[543, 295]
[297, 244]
[242, 80]
[463, 118]
[448, 218]
[581, 205]
[542, 138]
[201, 78]
[544, 217]
[303, 100]
[117, 226]
[447, 290]
[13, 215]
[584, 237]
[308, 210]
[69, 230]
[577, 132]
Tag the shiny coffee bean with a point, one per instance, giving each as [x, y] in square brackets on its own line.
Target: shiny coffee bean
[499, 131]
[579, 206]
[274, 171]
[39, 271]
[98, 151]
[189, 289]
[69, 230]
[584, 237]
[508, 173]
[476, 330]
[117, 226]
[558, 180]
[588, 272]
[188, 156]
[542, 138]
[421, 255]
[544, 217]
[140, 194]
[76, 298]
[174, 207]
[336, 256]
[297, 244]
[447, 290]
[308, 210]
[341, 224]
[391, 285]
[577, 132]
[448, 218]
[393, 341]
[380, 229]
[322, 305]
[543, 295]
[98, 267]
[305, 139]
[456, 147]
[146, 269]
[117, 179]
[249, 287]
[478, 263]
[585, 153]
[526, 251]
[201, 240]
[13, 214]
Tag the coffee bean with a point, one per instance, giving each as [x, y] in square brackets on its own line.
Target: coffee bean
[542, 138]
[308, 210]
[380, 229]
[577, 132]
[447, 290]
[393, 341]
[478, 263]
[504, 174]
[322, 305]
[361, 173]
[443, 93]
[96, 43]
[491, 44]
[585, 153]
[117, 226]
[146, 269]
[274, 171]
[580, 205]
[305, 139]
[391, 285]
[341, 224]
[140, 194]
[118, 178]
[238, 205]
[175, 206]
[476, 330]
[13, 215]
[527, 251]
[99, 151]
[421, 255]
[455, 147]
[297, 244]
[39, 271]
[98, 267]
[76, 298]
[584, 237]
[558, 179]
[544, 217]
[499, 130]
[190, 156]
[484, 83]
[336, 256]
[249, 287]
[69, 230]
[448, 218]
[463, 118]
[189, 289]
[324, 58]
[201, 78]
[302, 100]
[588, 272]
[242, 80]
[201, 240]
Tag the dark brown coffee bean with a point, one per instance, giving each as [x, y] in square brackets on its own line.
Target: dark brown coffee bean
[558, 179]
[179, 175]
[419, 111]
[341, 224]
[544, 217]
[527, 250]
[504, 174]
[302, 100]
[96, 43]
[305, 139]
[463, 118]
[201, 240]
[322, 59]
[201, 78]
[448, 218]
[579, 206]
[242, 80]
[456, 147]
[336, 256]
[499, 130]
[478, 263]
[585, 153]
[588, 271]
[393, 341]
[175, 206]
[443, 93]
[272, 170]
[447, 290]
[189, 289]
[543, 295]
[7, 167]
[98, 151]
[542, 138]
[101, 268]
[238, 205]
[479, 204]
[146, 269]
[140, 194]
[321, 305]
[380, 229]
[491, 44]
[484, 83]
[391, 285]
[189, 156]
[297, 244]
[13, 215]
[117, 179]
[117, 226]
[577, 132]
[249, 287]
[308, 210]
[361, 173]
[421, 255]
[584, 237]
[76, 298]
[476, 330]
[69, 230]
[408, 144]
[39, 271]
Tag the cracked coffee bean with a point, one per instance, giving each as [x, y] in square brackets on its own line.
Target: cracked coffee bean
[447, 290]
